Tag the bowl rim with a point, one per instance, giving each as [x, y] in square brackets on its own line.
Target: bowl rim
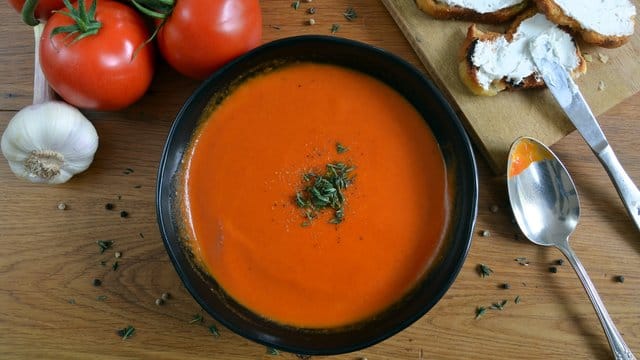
[163, 177]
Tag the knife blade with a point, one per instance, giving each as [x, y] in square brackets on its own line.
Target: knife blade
[570, 99]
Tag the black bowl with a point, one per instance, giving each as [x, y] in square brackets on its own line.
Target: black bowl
[460, 166]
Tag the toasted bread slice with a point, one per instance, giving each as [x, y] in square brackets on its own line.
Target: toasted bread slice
[484, 55]
[441, 10]
[608, 23]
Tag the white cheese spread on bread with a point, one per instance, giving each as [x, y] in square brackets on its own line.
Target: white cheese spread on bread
[482, 6]
[500, 58]
[606, 17]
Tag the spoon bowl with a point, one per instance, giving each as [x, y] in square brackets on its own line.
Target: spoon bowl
[542, 193]
[546, 207]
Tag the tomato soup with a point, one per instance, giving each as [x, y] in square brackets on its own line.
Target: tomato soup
[247, 162]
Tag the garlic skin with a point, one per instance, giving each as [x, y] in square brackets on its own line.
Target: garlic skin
[49, 142]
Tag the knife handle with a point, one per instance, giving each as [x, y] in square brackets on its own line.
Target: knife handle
[627, 190]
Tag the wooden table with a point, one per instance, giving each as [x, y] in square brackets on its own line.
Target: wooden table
[49, 307]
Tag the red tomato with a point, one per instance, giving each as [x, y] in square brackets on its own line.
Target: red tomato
[44, 9]
[99, 71]
[202, 35]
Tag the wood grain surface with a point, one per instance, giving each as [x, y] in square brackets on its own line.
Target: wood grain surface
[495, 121]
[50, 309]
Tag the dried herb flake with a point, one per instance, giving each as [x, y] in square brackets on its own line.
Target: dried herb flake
[214, 330]
[104, 245]
[350, 14]
[295, 5]
[197, 318]
[480, 310]
[335, 28]
[484, 270]
[126, 332]
[341, 149]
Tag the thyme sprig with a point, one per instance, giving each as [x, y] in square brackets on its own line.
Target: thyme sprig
[324, 192]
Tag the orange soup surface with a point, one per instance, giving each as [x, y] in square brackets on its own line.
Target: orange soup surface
[247, 162]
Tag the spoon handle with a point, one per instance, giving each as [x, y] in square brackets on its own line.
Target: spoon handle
[627, 190]
[619, 348]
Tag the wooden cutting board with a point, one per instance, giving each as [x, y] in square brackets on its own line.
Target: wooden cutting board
[495, 122]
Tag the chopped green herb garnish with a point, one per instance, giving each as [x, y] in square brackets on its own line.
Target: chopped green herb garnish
[126, 332]
[214, 330]
[272, 351]
[499, 306]
[197, 318]
[104, 245]
[325, 192]
[480, 310]
[517, 299]
[484, 270]
[335, 28]
[295, 5]
[350, 14]
[341, 149]
[115, 266]
[101, 298]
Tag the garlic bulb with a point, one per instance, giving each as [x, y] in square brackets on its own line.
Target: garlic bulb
[49, 142]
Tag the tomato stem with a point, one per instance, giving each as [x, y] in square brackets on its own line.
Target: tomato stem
[28, 13]
[157, 9]
[85, 23]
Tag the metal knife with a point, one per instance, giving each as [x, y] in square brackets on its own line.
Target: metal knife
[568, 96]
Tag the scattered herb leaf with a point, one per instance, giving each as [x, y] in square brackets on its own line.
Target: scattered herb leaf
[341, 149]
[71, 301]
[499, 306]
[126, 332]
[517, 299]
[480, 310]
[128, 171]
[197, 318]
[295, 5]
[272, 351]
[335, 28]
[115, 266]
[104, 245]
[484, 270]
[101, 298]
[214, 330]
[350, 14]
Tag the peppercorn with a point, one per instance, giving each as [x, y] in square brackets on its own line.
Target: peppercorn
[124, 214]
[97, 282]
[108, 206]
[165, 296]
[553, 269]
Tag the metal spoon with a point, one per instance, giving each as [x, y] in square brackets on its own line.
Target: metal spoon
[545, 204]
